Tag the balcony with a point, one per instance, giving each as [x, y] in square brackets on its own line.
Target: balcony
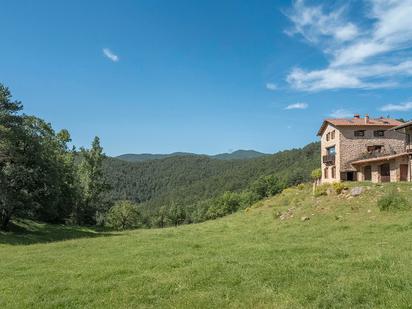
[376, 154]
[329, 159]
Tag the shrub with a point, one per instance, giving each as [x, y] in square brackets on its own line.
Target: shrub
[393, 201]
[301, 186]
[227, 203]
[339, 187]
[247, 199]
[123, 215]
[322, 189]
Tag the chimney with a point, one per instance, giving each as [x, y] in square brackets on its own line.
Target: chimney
[357, 116]
[366, 118]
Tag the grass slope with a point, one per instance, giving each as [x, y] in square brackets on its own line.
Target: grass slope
[349, 254]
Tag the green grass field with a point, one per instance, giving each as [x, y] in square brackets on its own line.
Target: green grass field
[349, 254]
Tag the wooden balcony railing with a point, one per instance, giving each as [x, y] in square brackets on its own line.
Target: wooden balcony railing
[329, 159]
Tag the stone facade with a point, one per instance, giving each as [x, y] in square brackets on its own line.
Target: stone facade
[349, 148]
[353, 147]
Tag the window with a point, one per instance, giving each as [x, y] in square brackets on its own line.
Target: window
[332, 134]
[359, 133]
[331, 150]
[328, 137]
[374, 148]
[333, 172]
[379, 133]
[325, 172]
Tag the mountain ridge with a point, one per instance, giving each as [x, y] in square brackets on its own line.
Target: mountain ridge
[240, 154]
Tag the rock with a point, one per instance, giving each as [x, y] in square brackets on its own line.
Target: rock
[369, 211]
[304, 218]
[329, 191]
[287, 214]
[356, 191]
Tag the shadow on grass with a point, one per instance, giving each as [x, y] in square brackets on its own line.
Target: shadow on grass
[26, 232]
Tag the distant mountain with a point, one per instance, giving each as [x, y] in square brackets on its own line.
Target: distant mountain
[240, 155]
[131, 157]
[236, 155]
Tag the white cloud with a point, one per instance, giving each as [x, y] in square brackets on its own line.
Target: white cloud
[109, 54]
[297, 106]
[377, 56]
[341, 113]
[313, 23]
[401, 107]
[271, 86]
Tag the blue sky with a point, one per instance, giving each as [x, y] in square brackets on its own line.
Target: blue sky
[205, 76]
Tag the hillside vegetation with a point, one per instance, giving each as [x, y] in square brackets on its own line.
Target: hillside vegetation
[348, 254]
[187, 180]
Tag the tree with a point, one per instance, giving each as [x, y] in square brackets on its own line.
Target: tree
[160, 219]
[176, 214]
[316, 175]
[123, 215]
[267, 186]
[36, 169]
[92, 184]
[15, 172]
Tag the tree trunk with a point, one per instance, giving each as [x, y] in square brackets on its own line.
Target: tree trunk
[5, 220]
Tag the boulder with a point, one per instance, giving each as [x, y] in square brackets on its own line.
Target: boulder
[355, 191]
[304, 218]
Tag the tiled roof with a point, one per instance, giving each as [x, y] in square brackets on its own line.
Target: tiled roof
[379, 159]
[374, 122]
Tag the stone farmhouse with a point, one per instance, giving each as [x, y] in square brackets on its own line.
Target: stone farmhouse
[365, 149]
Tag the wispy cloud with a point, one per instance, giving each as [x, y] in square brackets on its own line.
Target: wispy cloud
[375, 56]
[297, 106]
[110, 55]
[271, 86]
[341, 113]
[401, 107]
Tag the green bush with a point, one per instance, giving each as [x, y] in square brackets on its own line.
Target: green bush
[322, 189]
[301, 186]
[393, 201]
[339, 187]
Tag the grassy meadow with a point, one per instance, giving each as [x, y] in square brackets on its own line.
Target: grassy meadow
[348, 254]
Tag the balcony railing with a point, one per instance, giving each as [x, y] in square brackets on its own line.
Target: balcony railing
[329, 159]
[375, 154]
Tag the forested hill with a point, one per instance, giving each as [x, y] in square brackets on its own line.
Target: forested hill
[236, 155]
[190, 179]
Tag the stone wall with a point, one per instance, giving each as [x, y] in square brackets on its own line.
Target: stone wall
[394, 166]
[326, 144]
[353, 147]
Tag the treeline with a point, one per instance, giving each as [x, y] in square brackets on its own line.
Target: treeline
[126, 215]
[193, 189]
[40, 177]
[189, 180]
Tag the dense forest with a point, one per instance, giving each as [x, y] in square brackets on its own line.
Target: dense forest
[42, 178]
[189, 180]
